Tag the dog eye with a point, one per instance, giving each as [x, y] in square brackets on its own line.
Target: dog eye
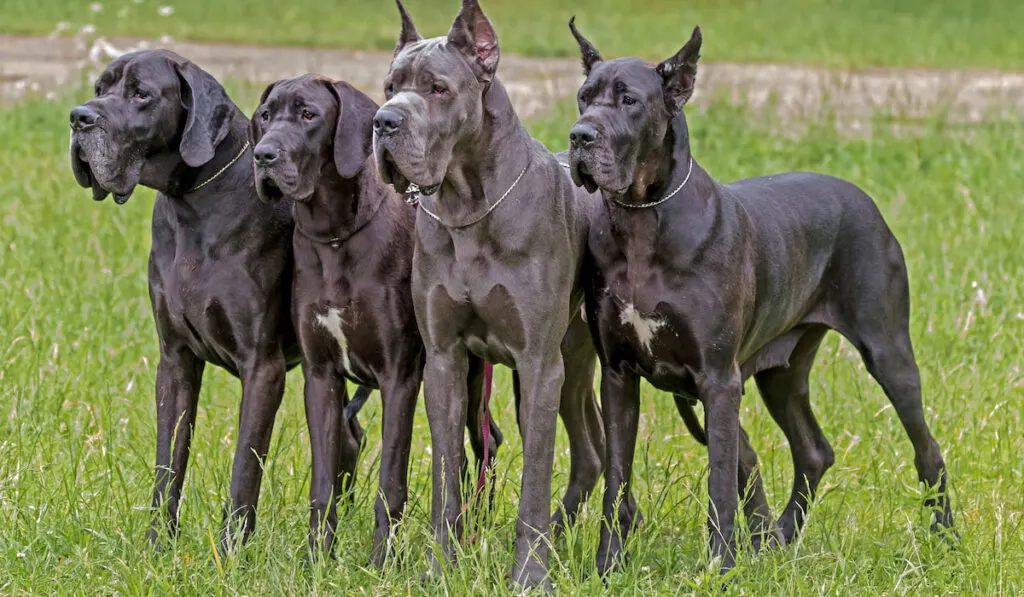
[140, 95]
[628, 100]
[307, 115]
[264, 116]
[438, 89]
[389, 90]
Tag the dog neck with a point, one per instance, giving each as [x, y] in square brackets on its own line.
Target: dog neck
[340, 207]
[662, 169]
[661, 173]
[476, 177]
[169, 174]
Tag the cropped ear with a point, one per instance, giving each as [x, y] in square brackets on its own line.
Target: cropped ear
[353, 133]
[473, 35]
[256, 123]
[679, 72]
[588, 52]
[409, 35]
[209, 112]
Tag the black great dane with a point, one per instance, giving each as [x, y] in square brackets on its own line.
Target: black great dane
[351, 300]
[220, 266]
[699, 285]
[500, 239]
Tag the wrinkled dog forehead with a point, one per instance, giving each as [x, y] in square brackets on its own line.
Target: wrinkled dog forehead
[145, 66]
[430, 58]
[300, 91]
[633, 73]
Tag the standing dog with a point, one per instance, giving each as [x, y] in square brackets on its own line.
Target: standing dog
[699, 285]
[351, 301]
[220, 265]
[500, 239]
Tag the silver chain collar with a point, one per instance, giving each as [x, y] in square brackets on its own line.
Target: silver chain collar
[414, 190]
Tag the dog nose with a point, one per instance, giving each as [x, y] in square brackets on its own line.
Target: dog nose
[265, 155]
[83, 117]
[582, 135]
[386, 122]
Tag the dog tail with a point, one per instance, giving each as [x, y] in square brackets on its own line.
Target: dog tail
[360, 398]
[685, 407]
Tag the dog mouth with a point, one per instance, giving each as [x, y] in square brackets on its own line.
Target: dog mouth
[581, 175]
[594, 174]
[268, 190]
[88, 177]
[390, 173]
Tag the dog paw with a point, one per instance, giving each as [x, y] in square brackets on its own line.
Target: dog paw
[530, 579]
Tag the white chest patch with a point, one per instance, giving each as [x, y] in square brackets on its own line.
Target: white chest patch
[645, 327]
[331, 321]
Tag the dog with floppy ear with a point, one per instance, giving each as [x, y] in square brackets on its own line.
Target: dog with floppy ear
[220, 265]
[698, 286]
[351, 300]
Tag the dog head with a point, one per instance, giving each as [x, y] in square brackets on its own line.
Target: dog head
[148, 105]
[304, 125]
[435, 98]
[627, 107]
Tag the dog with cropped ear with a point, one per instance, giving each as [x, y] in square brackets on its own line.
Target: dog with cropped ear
[220, 266]
[699, 285]
[351, 299]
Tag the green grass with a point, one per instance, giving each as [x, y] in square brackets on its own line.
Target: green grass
[77, 427]
[947, 33]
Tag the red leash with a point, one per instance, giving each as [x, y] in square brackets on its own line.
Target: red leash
[486, 426]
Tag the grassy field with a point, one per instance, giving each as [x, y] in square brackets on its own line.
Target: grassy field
[77, 427]
[831, 32]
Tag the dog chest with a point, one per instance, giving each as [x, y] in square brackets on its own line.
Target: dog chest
[647, 333]
[333, 335]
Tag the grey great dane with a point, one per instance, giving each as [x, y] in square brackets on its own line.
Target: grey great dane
[351, 299]
[496, 276]
[220, 266]
[697, 286]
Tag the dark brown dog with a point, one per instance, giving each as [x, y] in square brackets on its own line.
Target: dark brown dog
[351, 300]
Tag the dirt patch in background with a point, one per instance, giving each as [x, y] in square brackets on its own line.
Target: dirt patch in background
[46, 65]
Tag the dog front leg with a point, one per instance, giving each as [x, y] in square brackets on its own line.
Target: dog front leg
[542, 381]
[721, 395]
[582, 419]
[446, 397]
[262, 389]
[620, 404]
[179, 376]
[398, 396]
[334, 452]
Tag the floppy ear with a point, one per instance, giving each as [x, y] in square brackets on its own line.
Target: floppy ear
[209, 112]
[353, 134]
[678, 72]
[588, 52]
[473, 35]
[409, 35]
[255, 124]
